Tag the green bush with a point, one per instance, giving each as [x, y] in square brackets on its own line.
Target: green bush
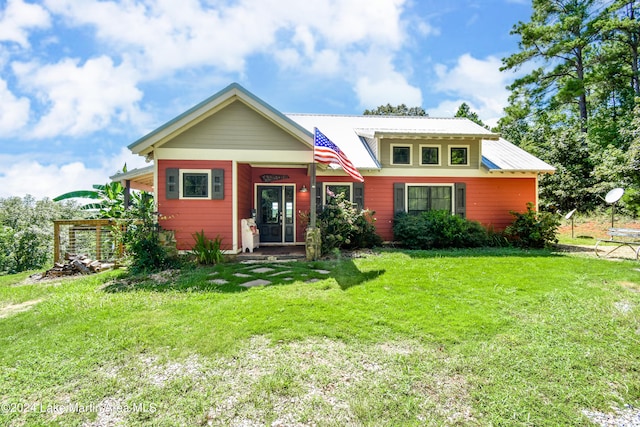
[533, 229]
[207, 251]
[142, 239]
[438, 229]
[343, 225]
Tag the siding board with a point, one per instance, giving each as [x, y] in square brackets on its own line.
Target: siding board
[237, 127]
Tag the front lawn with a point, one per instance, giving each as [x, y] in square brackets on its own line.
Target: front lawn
[467, 337]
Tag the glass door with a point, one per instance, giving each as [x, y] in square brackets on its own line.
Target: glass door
[270, 213]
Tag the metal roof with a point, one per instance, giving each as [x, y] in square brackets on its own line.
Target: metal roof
[346, 131]
[501, 156]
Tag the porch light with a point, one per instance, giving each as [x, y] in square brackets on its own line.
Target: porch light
[303, 189]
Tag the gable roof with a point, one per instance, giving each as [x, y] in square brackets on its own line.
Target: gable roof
[232, 93]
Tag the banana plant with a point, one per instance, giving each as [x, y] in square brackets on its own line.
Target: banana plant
[109, 199]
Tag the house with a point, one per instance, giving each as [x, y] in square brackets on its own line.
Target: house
[233, 156]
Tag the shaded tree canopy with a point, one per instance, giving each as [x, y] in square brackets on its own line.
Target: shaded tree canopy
[398, 110]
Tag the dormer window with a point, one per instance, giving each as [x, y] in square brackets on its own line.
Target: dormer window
[459, 156]
[400, 154]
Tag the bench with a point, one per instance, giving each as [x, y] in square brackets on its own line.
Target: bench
[250, 234]
[621, 237]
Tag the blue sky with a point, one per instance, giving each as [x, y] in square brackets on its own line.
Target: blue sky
[81, 80]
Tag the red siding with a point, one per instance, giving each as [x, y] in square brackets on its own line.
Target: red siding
[186, 217]
[245, 196]
[489, 200]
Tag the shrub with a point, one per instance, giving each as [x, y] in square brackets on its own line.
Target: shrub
[533, 229]
[342, 225]
[438, 229]
[141, 239]
[207, 251]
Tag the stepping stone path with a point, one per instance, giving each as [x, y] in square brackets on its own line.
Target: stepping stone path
[322, 271]
[219, 281]
[269, 273]
[241, 275]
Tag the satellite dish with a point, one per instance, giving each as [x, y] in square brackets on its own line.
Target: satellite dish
[570, 214]
[614, 195]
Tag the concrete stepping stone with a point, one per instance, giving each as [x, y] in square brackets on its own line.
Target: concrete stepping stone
[262, 270]
[280, 272]
[257, 282]
[322, 271]
[219, 281]
[241, 275]
[312, 281]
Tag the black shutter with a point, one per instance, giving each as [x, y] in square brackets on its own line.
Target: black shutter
[358, 194]
[319, 193]
[217, 184]
[173, 183]
[398, 197]
[461, 199]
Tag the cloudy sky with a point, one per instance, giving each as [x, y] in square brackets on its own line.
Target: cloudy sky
[82, 79]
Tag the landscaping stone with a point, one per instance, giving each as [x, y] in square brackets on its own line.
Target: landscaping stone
[280, 273]
[241, 275]
[312, 280]
[262, 270]
[322, 271]
[219, 281]
[257, 282]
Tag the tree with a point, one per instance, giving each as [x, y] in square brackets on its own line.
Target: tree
[559, 35]
[465, 111]
[399, 110]
[26, 231]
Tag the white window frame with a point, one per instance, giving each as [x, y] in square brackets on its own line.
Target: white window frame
[427, 184]
[451, 147]
[439, 147]
[342, 184]
[198, 171]
[409, 146]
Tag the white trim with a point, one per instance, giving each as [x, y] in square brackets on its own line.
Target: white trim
[467, 147]
[279, 157]
[439, 147]
[427, 184]
[409, 146]
[343, 184]
[181, 183]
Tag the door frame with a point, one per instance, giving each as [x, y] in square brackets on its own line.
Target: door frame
[256, 206]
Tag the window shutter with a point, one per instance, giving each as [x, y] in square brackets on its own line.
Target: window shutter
[358, 194]
[461, 199]
[217, 184]
[398, 197]
[173, 183]
[319, 196]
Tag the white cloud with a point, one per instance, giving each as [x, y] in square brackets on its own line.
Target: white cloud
[21, 175]
[14, 112]
[80, 98]
[18, 18]
[478, 82]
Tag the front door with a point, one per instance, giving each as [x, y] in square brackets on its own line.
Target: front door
[275, 213]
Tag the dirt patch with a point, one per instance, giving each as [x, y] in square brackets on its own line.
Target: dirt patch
[11, 309]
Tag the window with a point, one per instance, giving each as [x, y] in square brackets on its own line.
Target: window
[332, 190]
[421, 198]
[459, 156]
[195, 184]
[429, 155]
[400, 155]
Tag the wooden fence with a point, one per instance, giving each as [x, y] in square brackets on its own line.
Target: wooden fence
[95, 238]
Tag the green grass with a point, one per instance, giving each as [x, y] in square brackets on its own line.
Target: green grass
[467, 337]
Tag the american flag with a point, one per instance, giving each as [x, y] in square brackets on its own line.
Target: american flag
[327, 152]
